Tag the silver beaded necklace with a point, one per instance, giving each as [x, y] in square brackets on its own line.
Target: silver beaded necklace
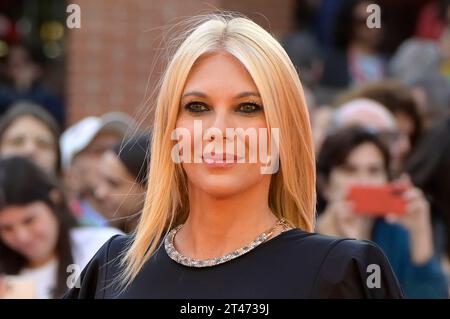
[192, 262]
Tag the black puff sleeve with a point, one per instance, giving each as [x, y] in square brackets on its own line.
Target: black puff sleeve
[356, 269]
[93, 280]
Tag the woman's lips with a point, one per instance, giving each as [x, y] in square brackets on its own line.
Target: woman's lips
[220, 159]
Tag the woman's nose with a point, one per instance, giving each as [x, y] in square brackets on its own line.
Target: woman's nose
[101, 192]
[219, 125]
[21, 235]
[221, 121]
[29, 148]
[366, 178]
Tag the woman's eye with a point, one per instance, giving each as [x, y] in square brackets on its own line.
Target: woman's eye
[348, 169]
[28, 221]
[196, 107]
[44, 143]
[112, 183]
[249, 108]
[16, 141]
[376, 170]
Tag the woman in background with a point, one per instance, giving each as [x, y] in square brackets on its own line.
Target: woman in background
[356, 58]
[429, 167]
[355, 156]
[39, 237]
[123, 181]
[399, 100]
[28, 130]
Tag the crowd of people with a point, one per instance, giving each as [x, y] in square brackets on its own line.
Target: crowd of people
[376, 120]
[380, 119]
[63, 196]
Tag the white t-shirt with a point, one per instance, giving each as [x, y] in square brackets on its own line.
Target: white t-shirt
[86, 241]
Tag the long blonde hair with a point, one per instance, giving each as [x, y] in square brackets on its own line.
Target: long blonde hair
[292, 189]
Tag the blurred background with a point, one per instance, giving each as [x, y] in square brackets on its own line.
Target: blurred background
[76, 110]
[89, 68]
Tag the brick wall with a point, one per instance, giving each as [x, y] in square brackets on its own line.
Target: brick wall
[112, 59]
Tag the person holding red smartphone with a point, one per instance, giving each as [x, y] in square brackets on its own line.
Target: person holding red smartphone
[355, 156]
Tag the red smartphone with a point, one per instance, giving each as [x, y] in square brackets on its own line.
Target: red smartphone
[377, 201]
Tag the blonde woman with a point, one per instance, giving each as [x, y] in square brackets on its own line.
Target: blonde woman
[220, 226]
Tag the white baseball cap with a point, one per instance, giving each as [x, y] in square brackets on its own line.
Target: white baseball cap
[77, 137]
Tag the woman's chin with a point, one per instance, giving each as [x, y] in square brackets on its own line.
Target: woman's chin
[223, 186]
[226, 182]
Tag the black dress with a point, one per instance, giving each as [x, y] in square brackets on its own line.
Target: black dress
[294, 264]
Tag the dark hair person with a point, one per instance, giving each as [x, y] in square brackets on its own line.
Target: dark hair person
[38, 234]
[215, 227]
[134, 153]
[356, 58]
[356, 156]
[23, 72]
[399, 100]
[429, 168]
[28, 130]
[123, 181]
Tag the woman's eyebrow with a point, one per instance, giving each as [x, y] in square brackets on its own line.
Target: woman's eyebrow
[245, 94]
[201, 94]
[195, 93]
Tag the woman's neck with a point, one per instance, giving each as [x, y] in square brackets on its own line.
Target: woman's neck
[217, 226]
[40, 262]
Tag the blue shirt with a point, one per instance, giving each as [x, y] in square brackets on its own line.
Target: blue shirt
[418, 281]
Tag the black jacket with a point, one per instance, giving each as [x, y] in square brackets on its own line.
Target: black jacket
[295, 264]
